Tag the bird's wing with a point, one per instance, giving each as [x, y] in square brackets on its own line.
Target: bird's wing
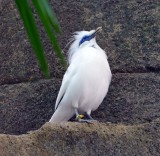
[62, 90]
[64, 86]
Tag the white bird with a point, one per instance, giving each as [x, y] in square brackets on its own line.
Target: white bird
[86, 81]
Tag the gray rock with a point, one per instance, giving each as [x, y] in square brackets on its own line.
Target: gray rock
[132, 99]
[85, 139]
[130, 36]
[26, 106]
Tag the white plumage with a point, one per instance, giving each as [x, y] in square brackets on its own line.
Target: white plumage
[86, 81]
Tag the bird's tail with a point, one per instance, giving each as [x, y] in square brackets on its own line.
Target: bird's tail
[62, 115]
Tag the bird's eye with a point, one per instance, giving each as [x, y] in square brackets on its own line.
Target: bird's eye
[85, 38]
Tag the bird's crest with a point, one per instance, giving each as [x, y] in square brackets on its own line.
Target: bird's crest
[77, 39]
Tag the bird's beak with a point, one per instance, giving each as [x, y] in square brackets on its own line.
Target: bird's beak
[98, 30]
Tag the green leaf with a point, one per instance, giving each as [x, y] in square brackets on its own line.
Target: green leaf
[33, 34]
[50, 15]
[48, 19]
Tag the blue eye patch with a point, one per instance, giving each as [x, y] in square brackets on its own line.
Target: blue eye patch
[86, 38]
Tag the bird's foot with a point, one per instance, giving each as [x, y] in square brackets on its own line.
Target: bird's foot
[79, 117]
[88, 121]
[108, 123]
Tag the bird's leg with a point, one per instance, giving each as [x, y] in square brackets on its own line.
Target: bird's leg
[90, 117]
[90, 120]
[78, 116]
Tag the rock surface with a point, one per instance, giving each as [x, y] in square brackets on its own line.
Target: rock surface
[85, 139]
[131, 38]
[132, 99]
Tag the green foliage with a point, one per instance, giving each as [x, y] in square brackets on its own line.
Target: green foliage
[49, 21]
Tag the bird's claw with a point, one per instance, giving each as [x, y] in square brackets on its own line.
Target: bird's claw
[88, 121]
[79, 118]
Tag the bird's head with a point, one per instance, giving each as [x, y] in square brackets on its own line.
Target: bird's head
[83, 38]
[86, 37]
